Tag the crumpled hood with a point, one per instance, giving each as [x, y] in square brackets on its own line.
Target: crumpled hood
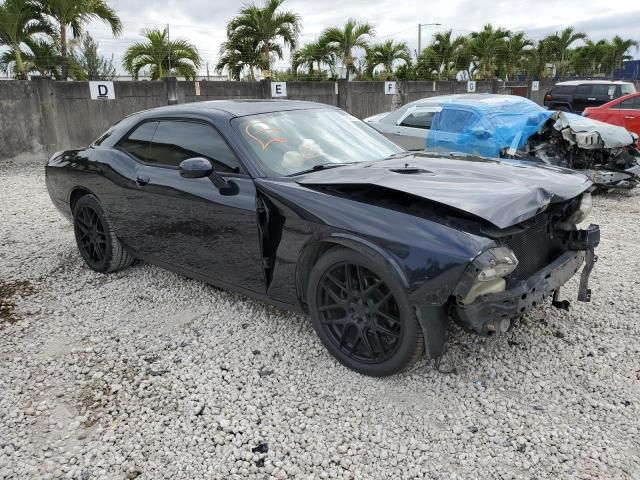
[501, 192]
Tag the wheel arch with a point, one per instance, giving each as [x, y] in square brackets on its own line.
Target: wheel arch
[75, 195]
[316, 249]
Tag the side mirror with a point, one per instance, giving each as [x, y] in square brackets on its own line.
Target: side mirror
[480, 132]
[197, 167]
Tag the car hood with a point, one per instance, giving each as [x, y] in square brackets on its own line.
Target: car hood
[501, 192]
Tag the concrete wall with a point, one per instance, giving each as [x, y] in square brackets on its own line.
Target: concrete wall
[20, 120]
[78, 120]
[42, 116]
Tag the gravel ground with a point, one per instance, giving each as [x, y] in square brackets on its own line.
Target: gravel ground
[146, 374]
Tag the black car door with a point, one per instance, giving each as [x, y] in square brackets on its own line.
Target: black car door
[187, 222]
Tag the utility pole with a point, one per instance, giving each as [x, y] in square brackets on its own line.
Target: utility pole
[420, 25]
[169, 45]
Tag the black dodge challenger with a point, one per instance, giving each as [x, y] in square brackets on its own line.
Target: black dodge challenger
[308, 208]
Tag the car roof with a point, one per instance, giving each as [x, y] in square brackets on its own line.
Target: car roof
[472, 100]
[233, 108]
[600, 82]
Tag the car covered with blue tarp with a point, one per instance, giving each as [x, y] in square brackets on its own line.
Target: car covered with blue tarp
[508, 126]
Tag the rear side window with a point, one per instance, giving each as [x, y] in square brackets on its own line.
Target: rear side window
[604, 90]
[138, 143]
[584, 89]
[563, 90]
[175, 141]
[418, 120]
[627, 88]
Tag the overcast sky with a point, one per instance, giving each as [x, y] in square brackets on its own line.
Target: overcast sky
[203, 21]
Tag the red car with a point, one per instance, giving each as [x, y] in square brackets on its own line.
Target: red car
[623, 111]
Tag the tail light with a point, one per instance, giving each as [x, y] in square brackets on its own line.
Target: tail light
[548, 97]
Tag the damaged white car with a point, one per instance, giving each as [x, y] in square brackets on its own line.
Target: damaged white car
[507, 126]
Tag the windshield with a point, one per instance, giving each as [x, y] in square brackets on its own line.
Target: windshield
[298, 140]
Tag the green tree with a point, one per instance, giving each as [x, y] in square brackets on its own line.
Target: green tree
[386, 54]
[312, 54]
[238, 54]
[20, 20]
[536, 60]
[162, 55]
[75, 14]
[351, 36]
[265, 27]
[93, 65]
[515, 52]
[445, 53]
[618, 51]
[560, 43]
[592, 58]
[486, 47]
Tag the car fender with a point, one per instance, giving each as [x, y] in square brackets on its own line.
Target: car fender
[316, 247]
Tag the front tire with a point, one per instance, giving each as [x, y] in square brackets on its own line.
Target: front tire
[95, 237]
[361, 313]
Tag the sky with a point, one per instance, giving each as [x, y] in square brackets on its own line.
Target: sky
[203, 21]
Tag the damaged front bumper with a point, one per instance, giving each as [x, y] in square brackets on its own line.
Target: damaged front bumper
[625, 179]
[494, 312]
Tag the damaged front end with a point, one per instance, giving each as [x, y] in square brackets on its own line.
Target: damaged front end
[532, 261]
[607, 154]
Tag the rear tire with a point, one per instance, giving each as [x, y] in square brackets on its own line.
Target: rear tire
[95, 237]
[362, 315]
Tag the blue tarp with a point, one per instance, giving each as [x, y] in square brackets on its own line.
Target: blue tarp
[485, 124]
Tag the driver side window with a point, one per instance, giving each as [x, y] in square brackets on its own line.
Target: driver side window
[175, 141]
[168, 142]
[418, 119]
[453, 120]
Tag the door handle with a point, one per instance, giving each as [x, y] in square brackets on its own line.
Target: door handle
[142, 180]
[628, 117]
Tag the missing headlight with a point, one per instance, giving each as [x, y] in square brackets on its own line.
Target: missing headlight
[583, 210]
[495, 263]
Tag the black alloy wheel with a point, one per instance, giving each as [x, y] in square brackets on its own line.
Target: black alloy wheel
[91, 236]
[361, 312]
[95, 237]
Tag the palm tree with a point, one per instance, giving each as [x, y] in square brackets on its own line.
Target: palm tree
[386, 54]
[162, 55]
[561, 44]
[593, 58]
[20, 20]
[265, 27]
[314, 53]
[346, 39]
[486, 47]
[45, 58]
[236, 54]
[75, 14]
[446, 52]
[618, 49]
[516, 48]
[536, 60]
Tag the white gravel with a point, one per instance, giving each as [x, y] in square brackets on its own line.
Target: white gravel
[151, 375]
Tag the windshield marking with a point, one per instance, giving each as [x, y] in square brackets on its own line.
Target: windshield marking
[270, 135]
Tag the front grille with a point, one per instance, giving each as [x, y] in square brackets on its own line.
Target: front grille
[534, 248]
